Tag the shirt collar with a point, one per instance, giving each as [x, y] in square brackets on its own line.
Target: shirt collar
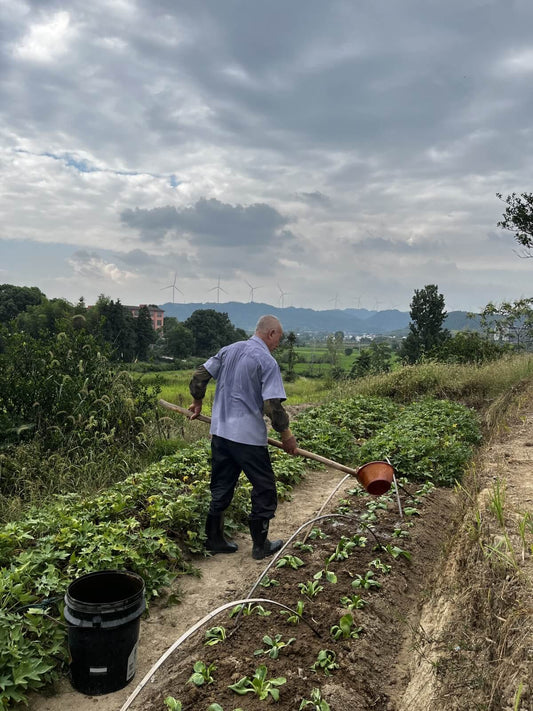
[260, 340]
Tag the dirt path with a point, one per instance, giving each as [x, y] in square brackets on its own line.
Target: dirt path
[453, 631]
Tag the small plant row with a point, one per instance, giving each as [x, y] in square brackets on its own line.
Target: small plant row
[345, 629]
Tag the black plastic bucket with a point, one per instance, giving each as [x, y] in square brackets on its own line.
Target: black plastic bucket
[103, 611]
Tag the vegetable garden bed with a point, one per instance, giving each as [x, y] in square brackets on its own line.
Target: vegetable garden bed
[353, 580]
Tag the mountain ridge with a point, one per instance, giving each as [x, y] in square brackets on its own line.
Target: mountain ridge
[357, 322]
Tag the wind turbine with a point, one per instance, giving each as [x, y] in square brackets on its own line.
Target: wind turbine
[282, 295]
[173, 287]
[335, 299]
[252, 289]
[218, 290]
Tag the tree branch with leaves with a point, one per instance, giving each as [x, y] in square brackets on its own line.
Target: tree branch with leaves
[518, 218]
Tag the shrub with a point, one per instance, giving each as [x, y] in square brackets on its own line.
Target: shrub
[433, 439]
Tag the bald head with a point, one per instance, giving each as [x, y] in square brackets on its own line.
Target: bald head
[269, 330]
[266, 324]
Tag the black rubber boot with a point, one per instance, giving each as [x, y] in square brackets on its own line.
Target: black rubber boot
[214, 530]
[262, 546]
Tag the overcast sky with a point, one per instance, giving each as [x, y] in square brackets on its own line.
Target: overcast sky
[314, 153]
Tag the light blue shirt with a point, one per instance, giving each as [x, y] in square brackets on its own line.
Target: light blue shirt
[247, 375]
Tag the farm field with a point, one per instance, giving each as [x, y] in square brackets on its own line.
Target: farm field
[446, 628]
[175, 388]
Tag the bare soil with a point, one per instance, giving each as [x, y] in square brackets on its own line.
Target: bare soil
[448, 630]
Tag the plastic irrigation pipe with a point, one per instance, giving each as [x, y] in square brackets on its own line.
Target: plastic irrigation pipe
[140, 686]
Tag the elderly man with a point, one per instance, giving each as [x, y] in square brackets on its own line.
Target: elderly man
[248, 385]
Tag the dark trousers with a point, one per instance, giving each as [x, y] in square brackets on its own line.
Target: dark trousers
[228, 459]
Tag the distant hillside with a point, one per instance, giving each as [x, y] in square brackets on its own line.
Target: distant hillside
[352, 321]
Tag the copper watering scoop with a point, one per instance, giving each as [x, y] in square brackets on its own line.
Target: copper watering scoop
[375, 477]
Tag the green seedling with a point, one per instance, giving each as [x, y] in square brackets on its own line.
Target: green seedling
[273, 646]
[259, 684]
[304, 547]
[317, 703]
[325, 662]
[343, 549]
[202, 674]
[357, 491]
[173, 704]
[397, 552]
[345, 628]
[411, 511]
[317, 533]
[250, 609]
[517, 697]
[311, 588]
[218, 707]
[359, 540]
[382, 567]
[366, 582]
[328, 574]
[267, 582]
[343, 507]
[400, 533]
[525, 526]
[368, 517]
[214, 636]
[294, 617]
[373, 505]
[426, 489]
[290, 561]
[353, 601]
[497, 502]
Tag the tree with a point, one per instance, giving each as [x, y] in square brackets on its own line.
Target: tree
[362, 364]
[112, 323]
[380, 355]
[511, 321]
[469, 347]
[212, 330]
[16, 299]
[47, 318]
[331, 345]
[145, 334]
[180, 341]
[518, 218]
[291, 355]
[426, 333]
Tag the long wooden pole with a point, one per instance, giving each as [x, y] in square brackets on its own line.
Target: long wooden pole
[273, 442]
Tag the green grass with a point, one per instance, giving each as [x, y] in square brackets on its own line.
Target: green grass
[175, 388]
[475, 385]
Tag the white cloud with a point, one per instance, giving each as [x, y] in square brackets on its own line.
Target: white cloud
[519, 62]
[48, 40]
[91, 265]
